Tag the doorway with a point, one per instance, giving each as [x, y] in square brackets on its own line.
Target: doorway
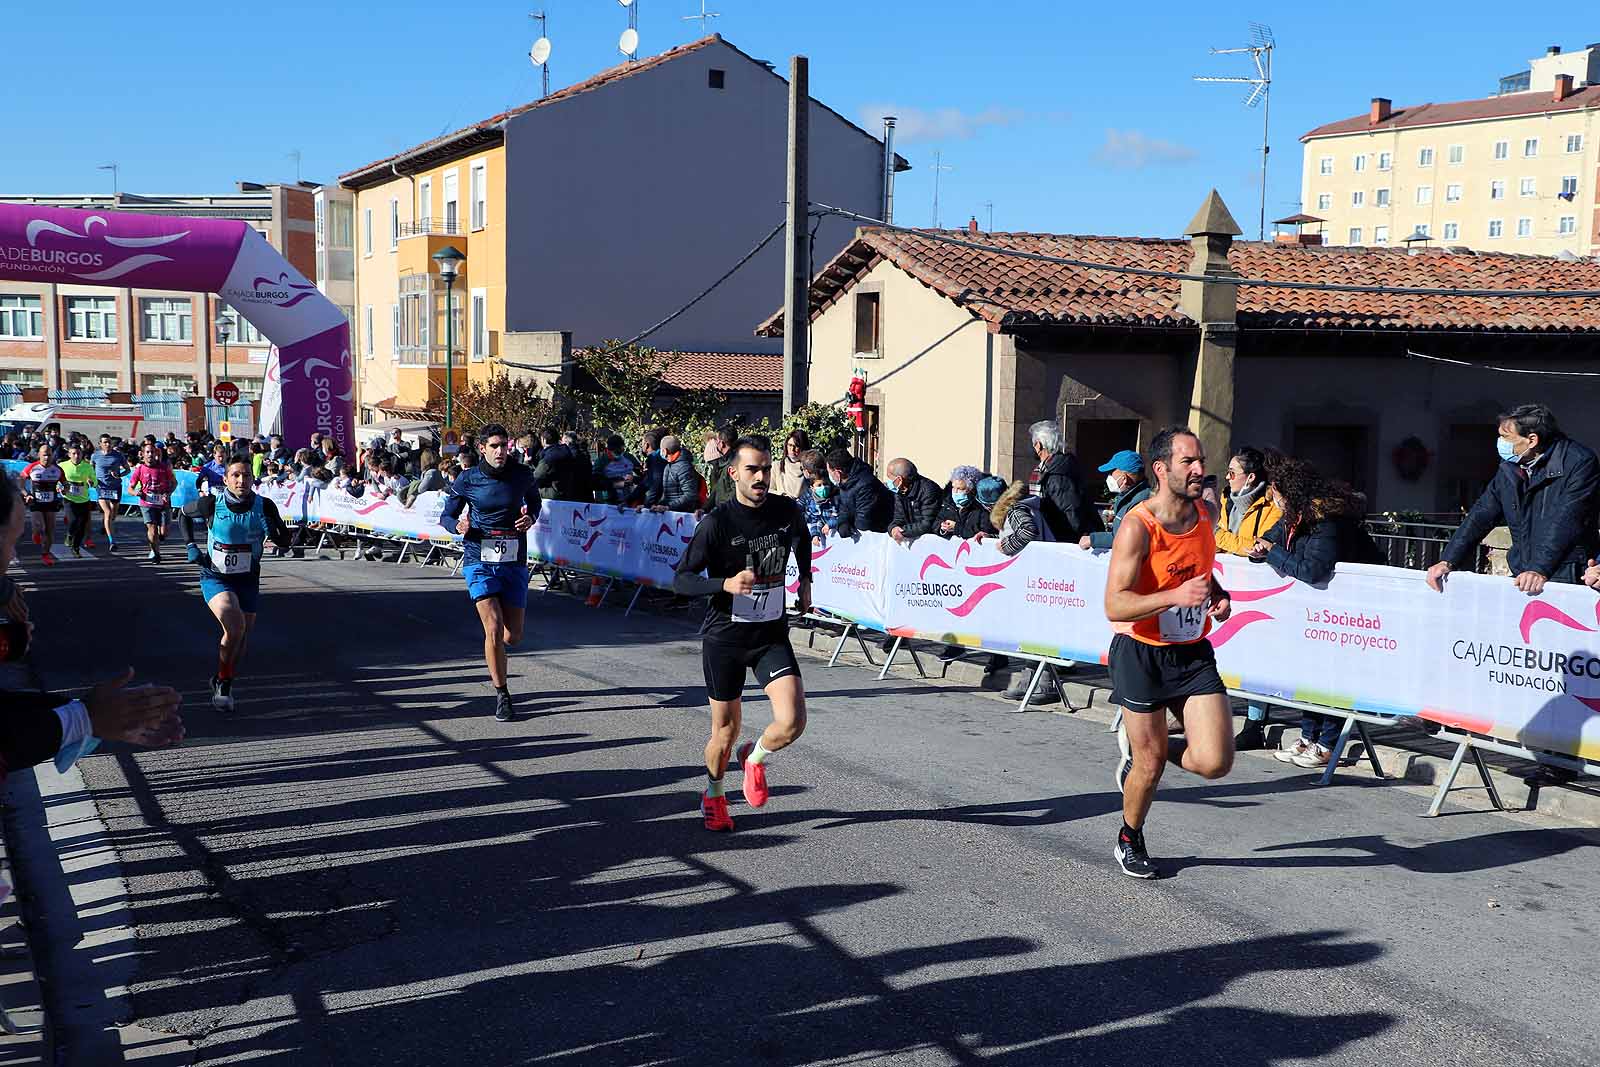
[1342, 453]
[1098, 440]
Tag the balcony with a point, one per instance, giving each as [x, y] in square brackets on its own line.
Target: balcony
[429, 227]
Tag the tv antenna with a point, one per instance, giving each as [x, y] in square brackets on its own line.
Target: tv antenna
[112, 167]
[939, 167]
[703, 18]
[1260, 52]
[539, 55]
[989, 206]
[295, 155]
[628, 43]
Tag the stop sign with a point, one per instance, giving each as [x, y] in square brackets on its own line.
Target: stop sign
[225, 393]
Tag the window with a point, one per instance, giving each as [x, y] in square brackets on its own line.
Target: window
[167, 383]
[1385, 160]
[1502, 149]
[1574, 142]
[451, 199]
[241, 331]
[1425, 157]
[1567, 225]
[1569, 186]
[89, 382]
[166, 319]
[1383, 197]
[1324, 201]
[1497, 190]
[1497, 228]
[22, 377]
[1358, 197]
[1424, 194]
[1325, 165]
[394, 226]
[341, 221]
[1452, 194]
[1355, 235]
[366, 232]
[479, 192]
[1452, 231]
[1457, 155]
[480, 325]
[424, 208]
[92, 318]
[318, 213]
[1528, 187]
[1380, 235]
[1524, 227]
[868, 333]
[366, 325]
[1530, 148]
[1360, 163]
[394, 330]
[21, 317]
[1424, 229]
[716, 79]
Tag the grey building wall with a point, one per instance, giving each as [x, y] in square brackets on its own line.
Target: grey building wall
[626, 201]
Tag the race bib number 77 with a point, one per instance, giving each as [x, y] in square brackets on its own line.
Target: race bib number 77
[763, 603]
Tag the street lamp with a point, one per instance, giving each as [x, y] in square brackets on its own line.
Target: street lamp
[449, 259]
[224, 331]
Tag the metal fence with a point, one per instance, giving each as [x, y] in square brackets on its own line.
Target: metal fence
[1413, 544]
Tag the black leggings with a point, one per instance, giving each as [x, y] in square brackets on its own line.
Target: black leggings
[78, 523]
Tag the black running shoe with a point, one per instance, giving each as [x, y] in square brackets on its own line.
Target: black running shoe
[502, 708]
[1131, 856]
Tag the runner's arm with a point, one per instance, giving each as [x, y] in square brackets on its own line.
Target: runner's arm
[687, 580]
[200, 508]
[800, 544]
[451, 513]
[276, 529]
[1128, 553]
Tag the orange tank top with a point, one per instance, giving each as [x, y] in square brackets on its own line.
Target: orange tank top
[1173, 560]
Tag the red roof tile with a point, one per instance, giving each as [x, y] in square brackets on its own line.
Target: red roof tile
[1007, 291]
[1491, 107]
[733, 372]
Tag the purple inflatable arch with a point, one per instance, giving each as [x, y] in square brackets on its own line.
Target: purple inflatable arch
[221, 256]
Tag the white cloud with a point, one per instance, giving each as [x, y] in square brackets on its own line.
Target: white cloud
[1132, 150]
[940, 124]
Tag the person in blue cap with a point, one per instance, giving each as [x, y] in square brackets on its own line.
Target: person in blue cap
[1125, 478]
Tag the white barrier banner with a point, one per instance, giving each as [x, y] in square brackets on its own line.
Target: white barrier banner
[639, 546]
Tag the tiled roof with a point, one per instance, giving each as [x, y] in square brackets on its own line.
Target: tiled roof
[1540, 102]
[491, 127]
[734, 372]
[1007, 291]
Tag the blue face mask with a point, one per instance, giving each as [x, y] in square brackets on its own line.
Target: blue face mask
[961, 499]
[822, 491]
[1507, 453]
[890, 483]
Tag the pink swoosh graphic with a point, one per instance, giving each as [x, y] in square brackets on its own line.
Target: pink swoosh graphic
[962, 549]
[993, 568]
[932, 561]
[1224, 633]
[818, 553]
[1538, 610]
[587, 545]
[1244, 596]
[370, 508]
[1592, 703]
[975, 599]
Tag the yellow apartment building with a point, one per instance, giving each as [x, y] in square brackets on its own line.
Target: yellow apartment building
[1514, 172]
[449, 192]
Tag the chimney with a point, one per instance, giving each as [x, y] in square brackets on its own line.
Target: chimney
[1382, 108]
[1553, 50]
[888, 168]
[1563, 87]
[972, 225]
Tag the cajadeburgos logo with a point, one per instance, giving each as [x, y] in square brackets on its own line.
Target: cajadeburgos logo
[1527, 666]
[925, 594]
[667, 544]
[323, 374]
[90, 264]
[281, 293]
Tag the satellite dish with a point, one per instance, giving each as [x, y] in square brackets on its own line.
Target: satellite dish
[628, 43]
[539, 54]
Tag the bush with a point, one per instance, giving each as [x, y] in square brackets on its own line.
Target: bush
[826, 424]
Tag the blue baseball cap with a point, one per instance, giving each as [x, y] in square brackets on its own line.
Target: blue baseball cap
[1127, 460]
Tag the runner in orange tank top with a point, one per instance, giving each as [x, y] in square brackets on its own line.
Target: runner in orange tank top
[1161, 598]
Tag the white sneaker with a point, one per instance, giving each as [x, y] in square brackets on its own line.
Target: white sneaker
[222, 695]
[1314, 757]
[1293, 752]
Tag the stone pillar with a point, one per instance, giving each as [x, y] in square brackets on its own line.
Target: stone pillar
[54, 330]
[128, 325]
[1214, 307]
[1019, 401]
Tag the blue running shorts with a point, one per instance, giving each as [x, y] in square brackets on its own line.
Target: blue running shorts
[508, 581]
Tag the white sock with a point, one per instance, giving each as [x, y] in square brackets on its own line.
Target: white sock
[758, 755]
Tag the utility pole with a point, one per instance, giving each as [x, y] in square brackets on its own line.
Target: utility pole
[797, 246]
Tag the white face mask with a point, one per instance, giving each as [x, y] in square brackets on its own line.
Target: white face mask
[1111, 483]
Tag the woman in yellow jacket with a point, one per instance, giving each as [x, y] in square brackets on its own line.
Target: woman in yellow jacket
[1247, 509]
[1247, 513]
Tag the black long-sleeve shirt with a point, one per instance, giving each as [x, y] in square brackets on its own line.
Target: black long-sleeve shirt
[734, 537]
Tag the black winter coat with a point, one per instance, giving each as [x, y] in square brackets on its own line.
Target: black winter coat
[916, 507]
[1308, 555]
[561, 475]
[1066, 504]
[654, 465]
[864, 503]
[1551, 511]
[680, 484]
[970, 520]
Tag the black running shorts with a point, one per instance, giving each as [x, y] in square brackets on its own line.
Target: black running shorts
[725, 666]
[1151, 677]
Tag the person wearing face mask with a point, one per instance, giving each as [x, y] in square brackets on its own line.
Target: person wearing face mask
[680, 482]
[865, 504]
[960, 514]
[1125, 478]
[1247, 508]
[916, 501]
[654, 464]
[718, 456]
[819, 501]
[1064, 499]
[1546, 491]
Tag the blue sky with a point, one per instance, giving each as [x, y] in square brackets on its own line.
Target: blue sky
[1068, 117]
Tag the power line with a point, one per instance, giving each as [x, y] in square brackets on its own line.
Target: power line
[1149, 272]
[1507, 370]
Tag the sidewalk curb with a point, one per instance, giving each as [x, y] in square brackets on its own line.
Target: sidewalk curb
[1415, 760]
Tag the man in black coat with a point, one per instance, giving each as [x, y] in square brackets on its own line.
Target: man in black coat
[1547, 491]
[1065, 501]
[917, 499]
[864, 502]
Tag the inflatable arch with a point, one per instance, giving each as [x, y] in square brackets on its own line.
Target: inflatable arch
[222, 256]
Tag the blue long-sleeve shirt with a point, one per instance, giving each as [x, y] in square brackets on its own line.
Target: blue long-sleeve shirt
[496, 498]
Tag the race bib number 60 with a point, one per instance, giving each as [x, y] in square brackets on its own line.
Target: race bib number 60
[1182, 625]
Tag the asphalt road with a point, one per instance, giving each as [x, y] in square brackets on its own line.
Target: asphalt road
[361, 866]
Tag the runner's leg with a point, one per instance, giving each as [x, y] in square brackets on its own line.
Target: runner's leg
[494, 638]
[48, 530]
[726, 716]
[235, 630]
[1147, 741]
[511, 620]
[788, 697]
[108, 515]
[1208, 733]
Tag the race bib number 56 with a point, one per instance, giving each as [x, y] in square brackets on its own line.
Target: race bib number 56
[501, 546]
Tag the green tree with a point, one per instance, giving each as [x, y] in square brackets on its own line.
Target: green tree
[516, 405]
[826, 424]
[622, 389]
